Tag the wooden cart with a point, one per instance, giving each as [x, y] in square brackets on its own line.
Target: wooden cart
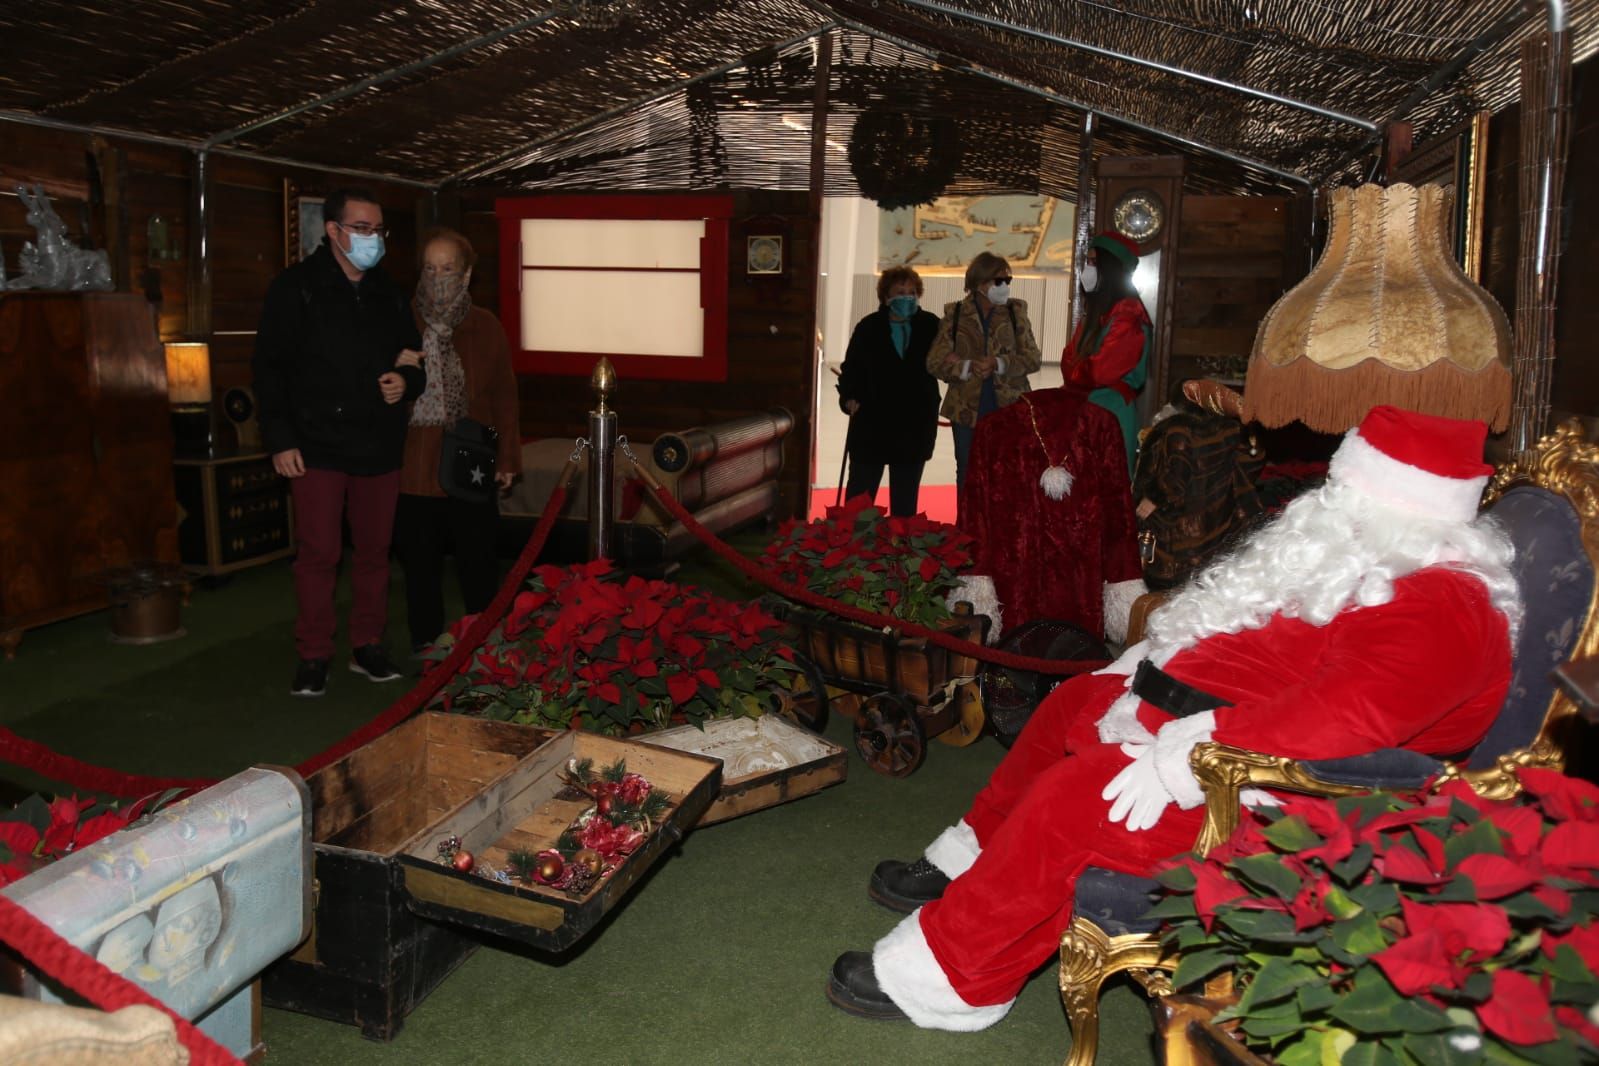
[900, 690]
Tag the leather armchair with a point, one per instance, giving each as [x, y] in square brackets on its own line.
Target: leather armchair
[1548, 502]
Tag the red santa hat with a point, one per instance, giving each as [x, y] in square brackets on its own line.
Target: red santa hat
[1423, 464]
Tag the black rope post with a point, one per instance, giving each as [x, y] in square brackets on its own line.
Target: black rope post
[602, 460]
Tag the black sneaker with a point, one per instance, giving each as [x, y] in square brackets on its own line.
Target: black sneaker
[373, 661]
[310, 678]
[904, 886]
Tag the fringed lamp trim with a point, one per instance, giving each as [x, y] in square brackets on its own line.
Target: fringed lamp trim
[1332, 401]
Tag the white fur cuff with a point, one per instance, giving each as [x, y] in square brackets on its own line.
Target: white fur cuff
[978, 590]
[1172, 745]
[1119, 597]
[954, 850]
[910, 975]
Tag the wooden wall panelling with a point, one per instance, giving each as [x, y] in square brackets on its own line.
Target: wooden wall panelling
[1576, 375]
[771, 349]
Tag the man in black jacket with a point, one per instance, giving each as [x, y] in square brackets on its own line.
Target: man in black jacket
[333, 417]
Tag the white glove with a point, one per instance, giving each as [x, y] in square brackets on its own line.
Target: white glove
[1136, 795]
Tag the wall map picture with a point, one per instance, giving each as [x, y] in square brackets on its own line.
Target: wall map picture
[1031, 232]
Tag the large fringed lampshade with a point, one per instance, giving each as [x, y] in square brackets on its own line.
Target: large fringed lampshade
[1386, 317]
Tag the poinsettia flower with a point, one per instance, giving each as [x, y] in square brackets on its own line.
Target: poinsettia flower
[1416, 964]
[64, 814]
[99, 827]
[643, 614]
[1495, 876]
[1564, 798]
[1480, 928]
[1521, 826]
[1518, 1009]
[1401, 863]
[1571, 846]
[681, 687]
[20, 837]
[1212, 888]
[1584, 940]
[1337, 835]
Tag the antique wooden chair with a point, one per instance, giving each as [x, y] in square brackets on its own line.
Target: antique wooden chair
[1548, 502]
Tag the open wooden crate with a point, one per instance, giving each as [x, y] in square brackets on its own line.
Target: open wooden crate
[523, 810]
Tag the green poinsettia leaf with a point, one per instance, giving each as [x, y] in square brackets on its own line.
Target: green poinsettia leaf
[1315, 997]
[1453, 1048]
[1354, 865]
[1562, 1052]
[1483, 838]
[1271, 927]
[1360, 935]
[1291, 834]
[1177, 878]
[1267, 872]
[1278, 1019]
[1375, 1006]
[1304, 1049]
[1459, 890]
[1365, 807]
[1173, 907]
[1278, 979]
[1528, 907]
[1378, 897]
[1567, 965]
[1341, 904]
[1195, 966]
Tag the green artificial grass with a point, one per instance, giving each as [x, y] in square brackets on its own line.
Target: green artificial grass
[719, 956]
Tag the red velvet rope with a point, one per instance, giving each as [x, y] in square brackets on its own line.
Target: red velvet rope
[56, 958]
[756, 573]
[34, 756]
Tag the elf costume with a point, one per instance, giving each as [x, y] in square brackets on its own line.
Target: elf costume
[1376, 612]
[1111, 356]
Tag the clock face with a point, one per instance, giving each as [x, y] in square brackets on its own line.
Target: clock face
[765, 255]
[1138, 215]
[238, 405]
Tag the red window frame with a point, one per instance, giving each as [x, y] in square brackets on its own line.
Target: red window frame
[717, 211]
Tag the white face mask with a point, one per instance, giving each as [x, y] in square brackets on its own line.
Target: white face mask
[1088, 277]
[998, 294]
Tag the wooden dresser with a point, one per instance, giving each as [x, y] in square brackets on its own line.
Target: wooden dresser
[234, 512]
[85, 453]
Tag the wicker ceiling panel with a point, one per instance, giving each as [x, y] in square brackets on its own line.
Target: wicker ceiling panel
[546, 90]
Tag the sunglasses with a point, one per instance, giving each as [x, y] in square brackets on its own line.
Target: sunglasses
[1002, 281]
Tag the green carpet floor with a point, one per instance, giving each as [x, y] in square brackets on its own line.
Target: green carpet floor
[719, 956]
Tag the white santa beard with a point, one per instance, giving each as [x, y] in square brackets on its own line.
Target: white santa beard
[1331, 549]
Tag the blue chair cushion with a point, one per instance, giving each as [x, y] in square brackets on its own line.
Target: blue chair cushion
[1557, 582]
[1116, 902]
[1388, 768]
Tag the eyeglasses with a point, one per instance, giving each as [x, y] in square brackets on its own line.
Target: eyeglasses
[365, 230]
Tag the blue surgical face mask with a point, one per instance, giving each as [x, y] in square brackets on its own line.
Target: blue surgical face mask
[365, 249]
[902, 306]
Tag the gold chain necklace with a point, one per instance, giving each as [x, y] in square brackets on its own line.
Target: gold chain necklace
[1056, 480]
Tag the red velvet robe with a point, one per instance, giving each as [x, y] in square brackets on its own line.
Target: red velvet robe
[1050, 558]
[1427, 671]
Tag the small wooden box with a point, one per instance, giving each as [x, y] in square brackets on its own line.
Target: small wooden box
[523, 810]
[765, 761]
[376, 950]
[236, 512]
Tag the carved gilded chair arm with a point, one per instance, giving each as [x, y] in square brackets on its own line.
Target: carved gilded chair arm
[1225, 771]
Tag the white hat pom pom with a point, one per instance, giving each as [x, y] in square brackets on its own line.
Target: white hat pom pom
[1057, 482]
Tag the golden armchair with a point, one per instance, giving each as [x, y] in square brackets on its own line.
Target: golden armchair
[1548, 502]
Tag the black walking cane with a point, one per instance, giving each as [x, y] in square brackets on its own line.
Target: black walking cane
[843, 465]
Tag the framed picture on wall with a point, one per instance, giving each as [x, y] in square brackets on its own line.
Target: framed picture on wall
[1457, 160]
[764, 254]
[302, 223]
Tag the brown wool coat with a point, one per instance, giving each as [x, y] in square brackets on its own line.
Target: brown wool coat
[1017, 347]
[490, 399]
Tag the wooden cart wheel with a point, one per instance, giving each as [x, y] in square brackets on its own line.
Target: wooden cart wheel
[803, 700]
[968, 727]
[889, 736]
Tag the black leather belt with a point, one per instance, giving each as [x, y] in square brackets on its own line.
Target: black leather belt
[1154, 685]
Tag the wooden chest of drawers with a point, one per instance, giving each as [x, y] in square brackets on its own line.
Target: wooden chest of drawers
[234, 512]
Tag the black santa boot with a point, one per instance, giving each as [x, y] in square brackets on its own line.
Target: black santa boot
[904, 886]
[853, 988]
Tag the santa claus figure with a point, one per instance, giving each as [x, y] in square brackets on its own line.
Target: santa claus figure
[1375, 612]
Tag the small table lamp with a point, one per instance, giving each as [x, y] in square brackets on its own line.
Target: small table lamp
[189, 390]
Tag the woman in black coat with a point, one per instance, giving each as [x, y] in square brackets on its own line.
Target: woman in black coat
[891, 398]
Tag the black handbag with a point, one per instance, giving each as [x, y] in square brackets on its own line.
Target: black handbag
[466, 461]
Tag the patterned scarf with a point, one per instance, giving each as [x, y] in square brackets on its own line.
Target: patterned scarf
[442, 304]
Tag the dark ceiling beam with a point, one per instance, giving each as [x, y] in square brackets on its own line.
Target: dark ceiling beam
[517, 156]
[27, 118]
[1076, 105]
[1149, 64]
[413, 67]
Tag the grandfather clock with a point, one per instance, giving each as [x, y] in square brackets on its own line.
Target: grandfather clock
[1142, 199]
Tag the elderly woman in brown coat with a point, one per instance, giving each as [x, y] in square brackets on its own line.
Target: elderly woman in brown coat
[469, 376]
[984, 350]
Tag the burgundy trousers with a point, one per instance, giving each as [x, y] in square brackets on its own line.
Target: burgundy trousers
[1040, 821]
[322, 499]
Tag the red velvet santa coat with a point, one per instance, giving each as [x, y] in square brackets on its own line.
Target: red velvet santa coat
[1050, 558]
[1427, 671]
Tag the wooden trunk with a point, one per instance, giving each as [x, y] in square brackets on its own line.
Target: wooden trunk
[853, 656]
[391, 922]
[765, 761]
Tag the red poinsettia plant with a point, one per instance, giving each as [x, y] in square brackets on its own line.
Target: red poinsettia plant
[584, 646]
[1385, 929]
[37, 831]
[900, 566]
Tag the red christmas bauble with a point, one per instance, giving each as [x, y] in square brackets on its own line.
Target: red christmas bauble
[549, 868]
[464, 861]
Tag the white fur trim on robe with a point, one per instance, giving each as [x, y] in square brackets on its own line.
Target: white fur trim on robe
[908, 974]
[1119, 597]
[954, 850]
[1172, 746]
[1119, 724]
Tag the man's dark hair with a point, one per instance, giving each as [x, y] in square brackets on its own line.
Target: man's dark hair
[333, 206]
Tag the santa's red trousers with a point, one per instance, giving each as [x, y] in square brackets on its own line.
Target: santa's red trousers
[1040, 822]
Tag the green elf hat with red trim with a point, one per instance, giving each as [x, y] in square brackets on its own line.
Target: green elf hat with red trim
[1121, 247]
